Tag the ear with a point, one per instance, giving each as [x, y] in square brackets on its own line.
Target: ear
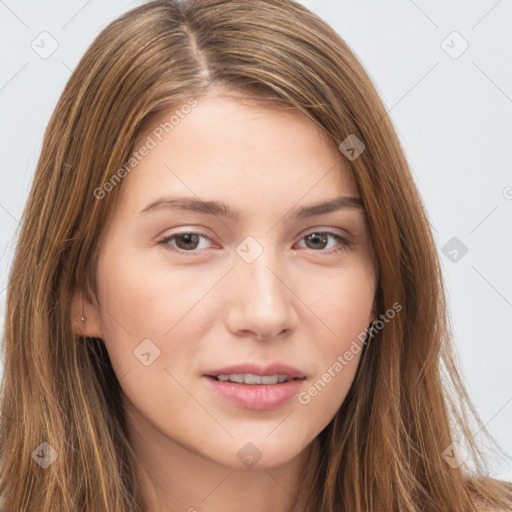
[83, 306]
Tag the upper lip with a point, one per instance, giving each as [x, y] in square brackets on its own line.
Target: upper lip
[257, 369]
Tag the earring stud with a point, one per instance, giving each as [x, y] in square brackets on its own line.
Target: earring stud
[82, 319]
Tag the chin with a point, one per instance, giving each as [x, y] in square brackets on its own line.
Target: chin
[260, 455]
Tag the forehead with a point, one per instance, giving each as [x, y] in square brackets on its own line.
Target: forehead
[229, 147]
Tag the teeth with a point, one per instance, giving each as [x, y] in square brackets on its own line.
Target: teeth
[249, 378]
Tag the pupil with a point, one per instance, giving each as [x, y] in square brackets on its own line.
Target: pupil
[189, 238]
[317, 237]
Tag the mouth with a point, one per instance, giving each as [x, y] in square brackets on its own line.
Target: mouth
[257, 374]
[256, 387]
[252, 379]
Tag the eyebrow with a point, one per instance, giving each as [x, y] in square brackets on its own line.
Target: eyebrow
[221, 209]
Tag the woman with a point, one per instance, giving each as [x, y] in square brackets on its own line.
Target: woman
[226, 293]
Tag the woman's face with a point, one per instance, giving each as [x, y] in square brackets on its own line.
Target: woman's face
[283, 287]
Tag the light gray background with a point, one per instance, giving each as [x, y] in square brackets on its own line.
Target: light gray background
[453, 116]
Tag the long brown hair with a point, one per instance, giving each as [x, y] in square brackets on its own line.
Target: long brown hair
[384, 449]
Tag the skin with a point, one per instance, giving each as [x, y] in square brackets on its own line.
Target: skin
[206, 310]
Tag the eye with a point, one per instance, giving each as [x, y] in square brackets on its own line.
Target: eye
[320, 240]
[187, 242]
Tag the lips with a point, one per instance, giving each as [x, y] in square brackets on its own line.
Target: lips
[256, 387]
[255, 369]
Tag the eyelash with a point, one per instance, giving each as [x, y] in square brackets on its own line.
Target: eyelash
[344, 244]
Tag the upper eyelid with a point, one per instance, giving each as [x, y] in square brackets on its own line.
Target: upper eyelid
[300, 234]
[203, 231]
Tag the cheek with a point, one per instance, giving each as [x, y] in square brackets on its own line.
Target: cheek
[152, 309]
[145, 300]
[342, 299]
[152, 330]
[336, 366]
[344, 306]
[125, 306]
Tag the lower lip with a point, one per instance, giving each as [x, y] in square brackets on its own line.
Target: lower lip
[258, 397]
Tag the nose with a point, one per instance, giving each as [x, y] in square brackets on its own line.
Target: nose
[261, 300]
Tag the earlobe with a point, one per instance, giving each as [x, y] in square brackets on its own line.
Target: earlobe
[85, 317]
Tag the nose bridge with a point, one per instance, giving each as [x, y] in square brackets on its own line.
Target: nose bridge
[261, 301]
[258, 271]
